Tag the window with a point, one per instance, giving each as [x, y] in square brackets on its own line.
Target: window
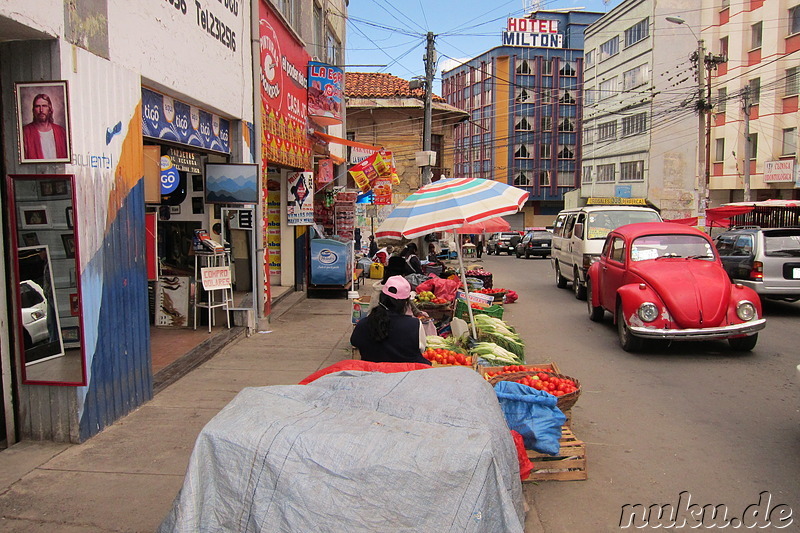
[635, 77]
[567, 98]
[565, 179]
[588, 59]
[789, 141]
[523, 67]
[719, 150]
[609, 48]
[605, 173]
[722, 99]
[753, 146]
[726, 4]
[754, 86]
[794, 20]
[586, 175]
[547, 124]
[634, 125]
[608, 88]
[334, 49]
[568, 69]
[547, 67]
[589, 96]
[637, 32]
[723, 46]
[524, 96]
[523, 151]
[544, 178]
[755, 35]
[607, 131]
[792, 81]
[588, 135]
[288, 10]
[522, 179]
[631, 171]
[566, 152]
[523, 124]
[566, 125]
[546, 96]
[617, 250]
[319, 31]
[544, 151]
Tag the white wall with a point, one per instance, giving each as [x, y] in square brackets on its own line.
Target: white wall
[42, 15]
[174, 53]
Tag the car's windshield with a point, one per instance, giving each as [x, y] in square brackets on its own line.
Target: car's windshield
[685, 246]
[602, 222]
[782, 243]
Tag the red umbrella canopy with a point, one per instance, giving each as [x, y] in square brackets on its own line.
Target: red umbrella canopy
[493, 225]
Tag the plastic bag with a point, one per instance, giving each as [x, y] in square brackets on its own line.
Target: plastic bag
[442, 288]
[533, 414]
[415, 280]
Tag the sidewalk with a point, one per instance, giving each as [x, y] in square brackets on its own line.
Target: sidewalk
[125, 478]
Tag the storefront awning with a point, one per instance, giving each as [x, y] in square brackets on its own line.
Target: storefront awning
[346, 142]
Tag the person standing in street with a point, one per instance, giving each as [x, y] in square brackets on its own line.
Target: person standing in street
[42, 138]
[373, 247]
[479, 246]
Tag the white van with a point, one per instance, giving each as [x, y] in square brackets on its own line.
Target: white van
[579, 234]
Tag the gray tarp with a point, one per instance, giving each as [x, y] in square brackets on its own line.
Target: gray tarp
[425, 451]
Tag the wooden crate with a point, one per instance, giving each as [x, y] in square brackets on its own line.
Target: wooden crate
[568, 465]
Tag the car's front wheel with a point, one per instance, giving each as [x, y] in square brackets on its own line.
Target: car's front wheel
[595, 313]
[743, 344]
[577, 287]
[561, 281]
[627, 341]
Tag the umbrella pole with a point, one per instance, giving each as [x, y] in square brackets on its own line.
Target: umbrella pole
[466, 287]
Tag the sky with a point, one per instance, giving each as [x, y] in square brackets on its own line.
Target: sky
[392, 33]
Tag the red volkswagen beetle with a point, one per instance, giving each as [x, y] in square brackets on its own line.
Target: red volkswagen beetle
[665, 281]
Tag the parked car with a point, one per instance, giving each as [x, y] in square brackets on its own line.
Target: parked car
[665, 281]
[502, 242]
[579, 234]
[535, 243]
[766, 260]
[34, 313]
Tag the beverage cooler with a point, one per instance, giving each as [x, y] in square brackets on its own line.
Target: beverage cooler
[331, 262]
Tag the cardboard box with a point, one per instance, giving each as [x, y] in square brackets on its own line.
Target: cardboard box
[360, 308]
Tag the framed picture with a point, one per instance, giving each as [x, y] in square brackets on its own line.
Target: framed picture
[34, 216]
[71, 336]
[74, 304]
[68, 212]
[30, 239]
[48, 188]
[69, 244]
[197, 182]
[231, 183]
[174, 210]
[197, 205]
[43, 125]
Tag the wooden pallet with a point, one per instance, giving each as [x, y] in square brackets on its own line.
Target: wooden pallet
[568, 465]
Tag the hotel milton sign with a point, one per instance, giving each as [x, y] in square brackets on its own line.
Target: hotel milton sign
[533, 33]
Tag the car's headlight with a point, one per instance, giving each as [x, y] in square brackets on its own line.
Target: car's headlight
[745, 310]
[648, 312]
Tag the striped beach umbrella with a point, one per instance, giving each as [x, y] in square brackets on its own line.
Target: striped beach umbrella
[451, 203]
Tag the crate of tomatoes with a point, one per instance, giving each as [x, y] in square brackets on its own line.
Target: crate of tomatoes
[445, 357]
[564, 388]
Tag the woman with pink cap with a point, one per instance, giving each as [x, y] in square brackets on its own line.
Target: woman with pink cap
[388, 334]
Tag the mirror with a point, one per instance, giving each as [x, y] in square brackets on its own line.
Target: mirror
[48, 297]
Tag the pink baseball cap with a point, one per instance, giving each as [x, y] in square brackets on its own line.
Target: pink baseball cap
[397, 287]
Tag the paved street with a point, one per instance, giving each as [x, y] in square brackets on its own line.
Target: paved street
[690, 417]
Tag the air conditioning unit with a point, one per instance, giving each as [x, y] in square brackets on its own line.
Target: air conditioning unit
[426, 159]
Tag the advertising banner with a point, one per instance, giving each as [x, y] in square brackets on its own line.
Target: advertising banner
[215, 278]
[370, 169]
[324, 172]
[325, 93]
[168, 119]
[284, 93]
[300, 206]
[779, 171]
[330, 261]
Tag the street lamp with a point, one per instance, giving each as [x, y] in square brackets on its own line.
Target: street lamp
[702, 173]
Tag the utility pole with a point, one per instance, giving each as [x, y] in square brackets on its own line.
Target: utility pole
[702, 181]
[747, 145]
[430, 70]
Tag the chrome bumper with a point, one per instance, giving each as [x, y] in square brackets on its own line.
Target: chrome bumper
[692, 334]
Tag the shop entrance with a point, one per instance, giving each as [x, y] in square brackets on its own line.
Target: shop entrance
[238, 234]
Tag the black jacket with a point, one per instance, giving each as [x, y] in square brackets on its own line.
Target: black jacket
[401, 346]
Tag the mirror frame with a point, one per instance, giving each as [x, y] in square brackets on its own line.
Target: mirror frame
[17, 308]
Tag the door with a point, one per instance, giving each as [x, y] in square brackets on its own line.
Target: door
[612, 272]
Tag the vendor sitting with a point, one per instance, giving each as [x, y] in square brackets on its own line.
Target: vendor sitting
[388, 334]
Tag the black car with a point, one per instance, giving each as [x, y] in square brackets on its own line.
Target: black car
[504, 241]
[535, 243]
